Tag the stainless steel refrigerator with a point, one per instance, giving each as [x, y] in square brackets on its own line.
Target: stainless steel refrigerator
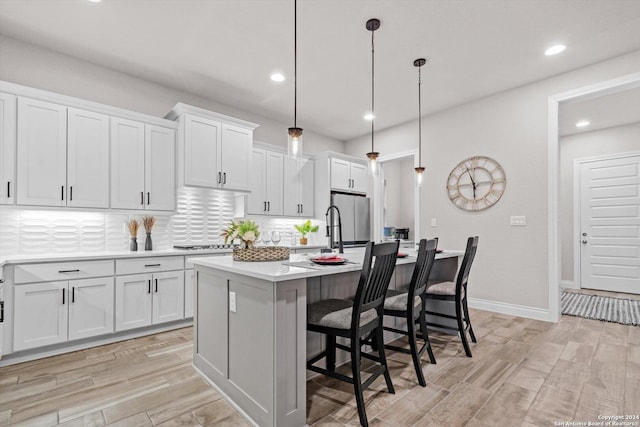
[354, 212]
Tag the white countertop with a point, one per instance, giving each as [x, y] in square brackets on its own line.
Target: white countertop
[87, 256]
[280, 271]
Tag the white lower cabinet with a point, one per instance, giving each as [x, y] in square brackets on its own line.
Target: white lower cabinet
[189, 297]
[55, 312]
[149, 299]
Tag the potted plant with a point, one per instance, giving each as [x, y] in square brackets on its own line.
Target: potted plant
[304, 229]
[246, 231]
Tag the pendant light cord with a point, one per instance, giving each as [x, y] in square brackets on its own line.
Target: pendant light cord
[419, 117]
[295, 63]
[372, 90]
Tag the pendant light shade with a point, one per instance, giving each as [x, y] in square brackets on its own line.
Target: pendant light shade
[373, 25]
[419, 170]
[294, 143]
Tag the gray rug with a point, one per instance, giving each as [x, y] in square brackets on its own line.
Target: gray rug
[596, 307]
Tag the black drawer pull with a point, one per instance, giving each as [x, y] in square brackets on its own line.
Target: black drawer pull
[68, 271]
[152, 265]
[156, 285]
[149, 287]
[8, 189]
[73, 294]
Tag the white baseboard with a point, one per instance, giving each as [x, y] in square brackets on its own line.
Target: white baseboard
[569, 284]
[511, 309]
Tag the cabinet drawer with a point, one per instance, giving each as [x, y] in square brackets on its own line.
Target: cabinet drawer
[149, 265]
[70, 270]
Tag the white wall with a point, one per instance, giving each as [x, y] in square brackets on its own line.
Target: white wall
[620, 139]
[30, 65]
[511, 265]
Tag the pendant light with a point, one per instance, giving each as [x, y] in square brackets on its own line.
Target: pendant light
[419, 170]
[294, 144]
[372, 25]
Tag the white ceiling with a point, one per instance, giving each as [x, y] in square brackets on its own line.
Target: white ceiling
[226, 49]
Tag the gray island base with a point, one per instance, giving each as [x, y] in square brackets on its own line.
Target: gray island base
[250, 338]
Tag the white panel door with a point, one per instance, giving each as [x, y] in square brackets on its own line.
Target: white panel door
[42, 153]
[133, 301]
[359, 178]
[7, 149]
[40, 315]
[235, 150]
[257, 199]
[610, 224]
[274, 183]
[189, 297]
[307, 187]
[291, 192]
[127, 164]
[340, 174]
[87, 159]
[91, 307]
[201, 151]
[159, 170]
[168, 296]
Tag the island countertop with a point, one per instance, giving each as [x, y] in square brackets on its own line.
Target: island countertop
[298, 266]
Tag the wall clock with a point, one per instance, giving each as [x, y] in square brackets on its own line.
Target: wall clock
[476, 183]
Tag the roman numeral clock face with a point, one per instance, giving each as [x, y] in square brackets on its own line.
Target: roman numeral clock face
[476, 183]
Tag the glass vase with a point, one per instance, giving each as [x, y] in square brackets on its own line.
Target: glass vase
[133, 244]
[148, 245]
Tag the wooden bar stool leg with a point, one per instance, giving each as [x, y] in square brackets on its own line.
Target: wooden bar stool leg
[411, 325]
[463, 334]
[331, 352]
[357, 380]
[383, 358]
[425, 334]
[466, 315]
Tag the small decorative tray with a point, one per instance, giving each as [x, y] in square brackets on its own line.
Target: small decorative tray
[329, 261]
[261, 254]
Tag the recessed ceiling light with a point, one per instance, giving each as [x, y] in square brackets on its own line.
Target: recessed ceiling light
[582, 123]
[554, 50]
[277, 77]
[369, 116]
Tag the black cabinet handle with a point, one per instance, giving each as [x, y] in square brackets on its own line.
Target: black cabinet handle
[268, 206]
[1, 311]
[265, 207]
[148, 198]
[219, 177]
[149, 286]
[301, 208]
[68, 271]
[156, 285]
[73, 294]
[224, 178]
[71, 193]
[152, 265]
[8, 188]
[142, 197]
[63, 292]
[62, 192]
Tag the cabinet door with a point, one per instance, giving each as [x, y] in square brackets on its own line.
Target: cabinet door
[201, 151]
[91, 307]
[87, 159]
[359, 178]
[168, 296]
[291, 192]
[340, 174]
[307, 188]
[42, 153]
[235, 150]
[257, 199]
[133, 301]
[40, 312]
[7, 149]
[273, 181]
[189, 297]
[159, 170]
[127, 164]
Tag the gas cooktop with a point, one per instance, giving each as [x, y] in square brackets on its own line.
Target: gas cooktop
[206, 246]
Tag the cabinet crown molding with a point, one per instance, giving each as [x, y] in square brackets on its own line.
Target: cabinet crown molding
[181, 108]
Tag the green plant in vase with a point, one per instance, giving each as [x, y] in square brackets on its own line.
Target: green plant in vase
[304, 229]
[245, 230]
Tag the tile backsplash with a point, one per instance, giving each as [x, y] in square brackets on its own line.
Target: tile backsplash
[201, 214]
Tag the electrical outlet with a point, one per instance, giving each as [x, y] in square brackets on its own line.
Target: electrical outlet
[232, 302]
[434, 222]
[518, 221]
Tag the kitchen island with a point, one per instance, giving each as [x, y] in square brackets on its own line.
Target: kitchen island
[250, 338]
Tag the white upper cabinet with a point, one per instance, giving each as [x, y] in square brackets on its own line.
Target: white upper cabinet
[266, 179]
[298, 187]
[214, 150]
[87, 159]
[348, 176]
[7, 148]
[42, 153]
[142, 166]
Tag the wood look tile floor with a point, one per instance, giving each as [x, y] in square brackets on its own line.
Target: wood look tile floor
[523, 372]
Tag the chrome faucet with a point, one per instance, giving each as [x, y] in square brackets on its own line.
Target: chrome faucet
[329, 227]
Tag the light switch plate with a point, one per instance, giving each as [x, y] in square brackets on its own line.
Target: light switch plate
[518, 221]
[232, 302]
